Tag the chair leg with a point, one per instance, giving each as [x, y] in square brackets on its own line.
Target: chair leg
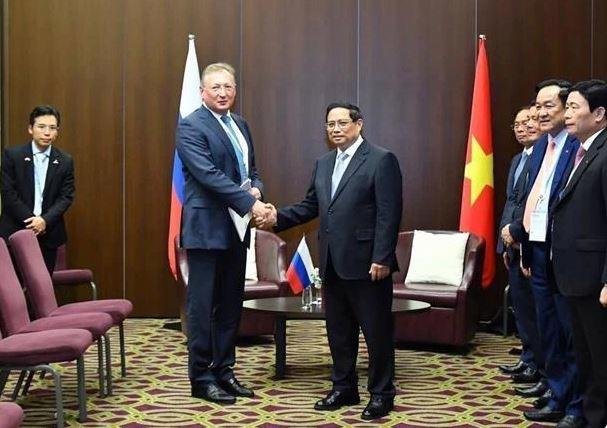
[18, 385]
[28, 382]
[4, 374]
[81, 390]
[58, 398]
[94, 290]
[122, 351]
[108, 365]
[100, 370]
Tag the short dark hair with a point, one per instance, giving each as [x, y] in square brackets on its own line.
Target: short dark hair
[564, 85]
[523, 107]
[44, 110]
[355, 113]
[594, 91]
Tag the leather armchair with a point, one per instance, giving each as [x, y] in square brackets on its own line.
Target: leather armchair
[453, 316]
[271, 261]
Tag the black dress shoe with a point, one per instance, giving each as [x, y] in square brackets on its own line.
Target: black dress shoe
[211, 391]
[536, 390]
[571, 421]
[336, 399]
[543, 400]
[513, 368]
[529, 375]
[378, 407]
[545, 414]
[232, 386]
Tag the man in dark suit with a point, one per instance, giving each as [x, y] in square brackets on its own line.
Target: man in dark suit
[216, 149]
[531, 360]
[552, 156]
[356, 190]
[579, 243]
[38, 185]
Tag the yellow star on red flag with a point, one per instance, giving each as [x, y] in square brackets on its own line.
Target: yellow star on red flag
[479, 170]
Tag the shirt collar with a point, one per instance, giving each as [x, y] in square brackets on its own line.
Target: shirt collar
[560, 138]
[528, 150]
[586, 145]
[352, 149]
[217, 115]
[36, 150]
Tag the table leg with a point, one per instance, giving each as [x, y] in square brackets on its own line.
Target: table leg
[280, 339]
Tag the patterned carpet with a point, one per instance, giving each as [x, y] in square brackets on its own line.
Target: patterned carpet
[434, 389]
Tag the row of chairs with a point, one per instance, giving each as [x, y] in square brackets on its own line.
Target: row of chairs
[57, 333]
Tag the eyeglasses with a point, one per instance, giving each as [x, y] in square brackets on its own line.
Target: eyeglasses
[52, 128]
[228, 89]
[341, 124]
[515, 125]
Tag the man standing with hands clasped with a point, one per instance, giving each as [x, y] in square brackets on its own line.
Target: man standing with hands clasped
[38, 185]
[579, 243]
[216, 149]
[356, 190]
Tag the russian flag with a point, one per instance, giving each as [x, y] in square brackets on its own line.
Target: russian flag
[300, 270]
[190, 101]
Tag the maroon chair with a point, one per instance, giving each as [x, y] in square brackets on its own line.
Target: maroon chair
[453, 316]
[62, 275]
[39, 285]
[270, 258]
[11, 415]
[14, 319]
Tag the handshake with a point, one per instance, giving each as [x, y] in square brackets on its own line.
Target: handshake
[264, 215]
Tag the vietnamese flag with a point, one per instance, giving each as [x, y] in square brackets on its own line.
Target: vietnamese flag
[476, 215]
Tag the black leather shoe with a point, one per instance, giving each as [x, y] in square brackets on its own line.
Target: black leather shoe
[211, 391]
[529, 375]
[571, 421]
[378, 407]
[543, 400]
[513, 368]
[336, 399]
[545, 414]
[232, 386]
[536, 390]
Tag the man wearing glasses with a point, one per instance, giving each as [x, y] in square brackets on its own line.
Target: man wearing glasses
[525, 129]
[38, 185]
[356, 190]
[216, 149]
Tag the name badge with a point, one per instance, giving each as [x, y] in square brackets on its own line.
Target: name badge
[538, 226]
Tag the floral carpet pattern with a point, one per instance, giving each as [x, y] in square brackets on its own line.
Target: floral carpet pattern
[434, 389]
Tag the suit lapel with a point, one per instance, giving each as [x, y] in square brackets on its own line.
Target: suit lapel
[328, 175]
[28, 168]
[218, 130]
[239, 123]
[359, 158]
[54, 161]
[563, 162]
[586, 161]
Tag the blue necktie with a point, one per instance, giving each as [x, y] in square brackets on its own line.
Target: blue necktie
[519, 168]
[338, 171]
[234, 140]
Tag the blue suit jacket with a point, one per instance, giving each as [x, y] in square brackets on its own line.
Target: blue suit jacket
[212, 180]
[515, 201]
[560, 177]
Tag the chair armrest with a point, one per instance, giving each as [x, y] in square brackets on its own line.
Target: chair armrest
[75, 277]
[271, 258]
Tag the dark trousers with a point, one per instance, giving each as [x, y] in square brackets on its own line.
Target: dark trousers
[589, 325]
[214, 305]
[50, 257]
[554, 325]
[351, 306]
[523, 303]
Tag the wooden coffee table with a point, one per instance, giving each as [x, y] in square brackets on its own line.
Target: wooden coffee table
[290, 308]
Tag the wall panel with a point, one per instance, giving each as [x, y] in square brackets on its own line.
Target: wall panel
[68, 53]
[156, 45]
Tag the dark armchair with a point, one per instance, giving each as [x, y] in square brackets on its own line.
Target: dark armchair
[271, 261]
[453, 316]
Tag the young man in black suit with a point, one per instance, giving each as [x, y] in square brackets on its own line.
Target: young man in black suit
[38, 185]
[579, 243]
[356, 191]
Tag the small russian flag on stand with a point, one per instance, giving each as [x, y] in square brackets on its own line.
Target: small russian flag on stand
[300, 270]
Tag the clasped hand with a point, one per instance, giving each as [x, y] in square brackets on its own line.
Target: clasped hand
[264, 215]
